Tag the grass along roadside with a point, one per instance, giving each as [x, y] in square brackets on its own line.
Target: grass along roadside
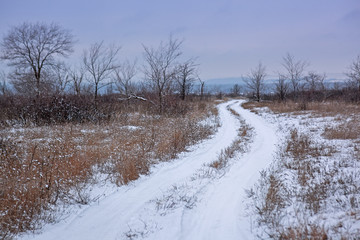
[44, 167]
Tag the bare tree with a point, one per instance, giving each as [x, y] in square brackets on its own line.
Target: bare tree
[100, 62]
[314, 81]
[123, 79]
[202, 88]
[282, 87]
[314, 85]
[31, 48]
[24, 82]
[255, 80]
[186, 75]
[217, 90]
[61, 77]
[235, 90]
[354, 74]
[161, 68]
[4, 89]
[294, 71]
[76, 77]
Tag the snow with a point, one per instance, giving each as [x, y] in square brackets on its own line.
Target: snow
[184, 199]
[333, 171]
[221, 214]
[221, 205]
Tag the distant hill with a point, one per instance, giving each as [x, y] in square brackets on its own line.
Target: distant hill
[225, 81]
[225, 84]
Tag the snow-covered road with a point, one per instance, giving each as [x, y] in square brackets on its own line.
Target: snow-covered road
[219, 215]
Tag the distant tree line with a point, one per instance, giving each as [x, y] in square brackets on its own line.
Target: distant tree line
[294, 84]
[36, 51]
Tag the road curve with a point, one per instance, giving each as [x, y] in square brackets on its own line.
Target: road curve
[108, 219]
[221, 213]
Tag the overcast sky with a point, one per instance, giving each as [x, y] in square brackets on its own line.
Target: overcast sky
[229, 37]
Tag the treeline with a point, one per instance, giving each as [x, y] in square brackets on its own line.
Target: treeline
[43, 88]
[294, 83]
[40, 79]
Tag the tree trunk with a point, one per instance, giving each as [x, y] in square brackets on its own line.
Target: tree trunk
[160, 103]
[183, 91]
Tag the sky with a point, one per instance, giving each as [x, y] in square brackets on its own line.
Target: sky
[229, 37]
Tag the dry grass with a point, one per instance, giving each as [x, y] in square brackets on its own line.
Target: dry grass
[35, 178]
[347, 129]
[244, 136]
[300, 146]
[329, 108]
[41, 166]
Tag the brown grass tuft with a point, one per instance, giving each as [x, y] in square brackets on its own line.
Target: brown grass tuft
[345, 130]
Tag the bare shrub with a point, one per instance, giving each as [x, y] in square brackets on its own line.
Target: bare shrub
[50, 110]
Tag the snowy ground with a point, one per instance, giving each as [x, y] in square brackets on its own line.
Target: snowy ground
[173, 202]
[188, 199]
[316, 191]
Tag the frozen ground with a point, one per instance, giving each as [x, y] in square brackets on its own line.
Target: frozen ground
[170, 204]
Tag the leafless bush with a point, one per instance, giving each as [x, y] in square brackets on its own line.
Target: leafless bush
[52, 110]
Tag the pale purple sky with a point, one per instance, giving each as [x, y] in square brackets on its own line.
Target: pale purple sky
[229, 37]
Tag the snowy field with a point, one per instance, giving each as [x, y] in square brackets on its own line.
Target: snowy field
[312, 188]
[189, 198]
